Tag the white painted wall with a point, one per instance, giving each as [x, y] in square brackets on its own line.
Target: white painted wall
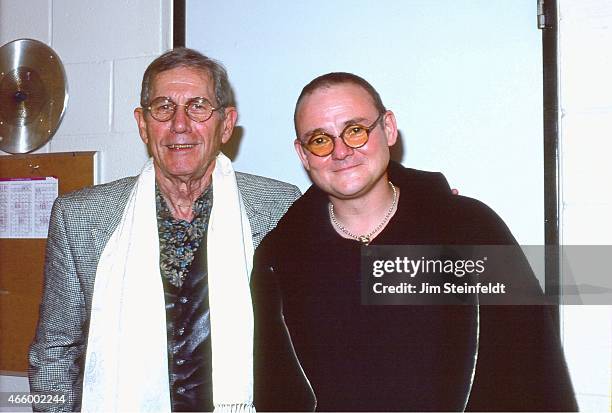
[585, 91]
[464, 79]
[105, 47]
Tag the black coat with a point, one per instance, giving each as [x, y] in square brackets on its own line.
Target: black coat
[392, 358]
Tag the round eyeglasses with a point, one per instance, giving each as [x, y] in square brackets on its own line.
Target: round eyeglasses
[354, 136]
[198, 109]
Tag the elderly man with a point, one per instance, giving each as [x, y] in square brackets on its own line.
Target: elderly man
[146, 301]
[390, 358]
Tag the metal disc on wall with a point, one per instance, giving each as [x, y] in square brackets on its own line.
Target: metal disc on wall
[33, 95]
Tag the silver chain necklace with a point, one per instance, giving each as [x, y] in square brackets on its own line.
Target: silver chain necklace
[365, 239]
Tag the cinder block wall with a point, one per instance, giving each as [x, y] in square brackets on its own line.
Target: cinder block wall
[105, 47]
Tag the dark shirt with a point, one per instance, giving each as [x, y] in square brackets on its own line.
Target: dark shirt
[185, 278]
[402, 358]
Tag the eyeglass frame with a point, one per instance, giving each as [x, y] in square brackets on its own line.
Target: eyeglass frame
[176, 105]
[368, 129]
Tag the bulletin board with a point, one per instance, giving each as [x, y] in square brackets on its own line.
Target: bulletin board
[22, 260]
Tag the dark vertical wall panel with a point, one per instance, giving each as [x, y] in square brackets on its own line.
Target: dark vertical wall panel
[178, 35]
[551, 147]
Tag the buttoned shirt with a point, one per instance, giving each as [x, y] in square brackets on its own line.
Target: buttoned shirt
[185, 278]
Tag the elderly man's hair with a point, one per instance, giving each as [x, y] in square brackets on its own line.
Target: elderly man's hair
[338, 78]
[189, 58]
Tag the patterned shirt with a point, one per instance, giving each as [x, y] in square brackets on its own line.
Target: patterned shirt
[178, 239]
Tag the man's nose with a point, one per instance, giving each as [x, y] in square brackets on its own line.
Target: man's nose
[341, 149]
[181, 122]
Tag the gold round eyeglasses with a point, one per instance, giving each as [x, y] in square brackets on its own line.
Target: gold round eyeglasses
[354, 136]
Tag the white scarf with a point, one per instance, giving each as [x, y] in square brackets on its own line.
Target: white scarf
[126, 366]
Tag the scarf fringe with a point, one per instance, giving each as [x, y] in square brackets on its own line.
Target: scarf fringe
[235, 408]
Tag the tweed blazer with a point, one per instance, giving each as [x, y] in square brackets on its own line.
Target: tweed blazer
[81, 224]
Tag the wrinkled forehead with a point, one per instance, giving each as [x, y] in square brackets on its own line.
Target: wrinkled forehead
[193, 81]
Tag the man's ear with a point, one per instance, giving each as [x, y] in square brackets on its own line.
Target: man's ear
[301, 152]
[231, 115]
[142, 124]
[389, 125]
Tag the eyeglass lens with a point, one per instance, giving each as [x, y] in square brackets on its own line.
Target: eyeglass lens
[354, 136]
[198, 109]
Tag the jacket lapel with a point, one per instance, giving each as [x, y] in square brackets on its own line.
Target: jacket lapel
[260, 218]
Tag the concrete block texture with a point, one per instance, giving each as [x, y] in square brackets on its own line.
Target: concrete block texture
[19, 20]
[86, 31]
[127, 77]
[89, 94]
